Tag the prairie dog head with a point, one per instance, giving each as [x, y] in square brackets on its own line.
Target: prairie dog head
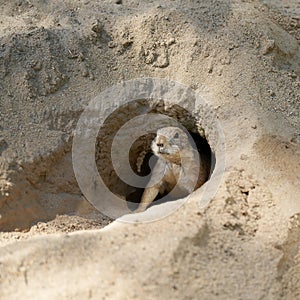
[169, 143]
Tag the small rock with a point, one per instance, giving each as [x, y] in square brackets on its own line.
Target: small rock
[210, 68]
[171, 41]
[81, 56]
[254, 126]
[150, 58]
[292, 75]
[97, 27]
[37, 66]
[127, 43]
[85, 73]
[231, 46]
[72, 55]
[111, 44]
[92, 77]
[272, 93]
[244, 157]
[270, 45]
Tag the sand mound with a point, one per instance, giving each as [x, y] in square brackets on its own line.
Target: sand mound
[243, 56]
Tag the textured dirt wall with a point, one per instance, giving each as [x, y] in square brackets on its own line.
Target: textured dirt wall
[56, 56]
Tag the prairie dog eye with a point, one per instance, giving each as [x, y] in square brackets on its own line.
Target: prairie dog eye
[176, 135]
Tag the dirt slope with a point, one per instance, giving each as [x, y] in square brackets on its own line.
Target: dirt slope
[55, 56]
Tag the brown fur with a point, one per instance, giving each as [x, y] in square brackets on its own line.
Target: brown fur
[172, 147]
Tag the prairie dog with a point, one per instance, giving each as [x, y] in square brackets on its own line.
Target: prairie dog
[175, 156]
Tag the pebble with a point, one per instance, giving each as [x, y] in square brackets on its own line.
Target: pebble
[244, 157]
[272, 93]
[37, 66]
[111, 44]
[270, 45]
[97, 27]
[85, 72]
[171, 41]
[292, 75]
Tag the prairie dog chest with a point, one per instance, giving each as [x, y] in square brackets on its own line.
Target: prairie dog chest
[172, 173]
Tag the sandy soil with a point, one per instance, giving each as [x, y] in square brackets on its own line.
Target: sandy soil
[55, 56]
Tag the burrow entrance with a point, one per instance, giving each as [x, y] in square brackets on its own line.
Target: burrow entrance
[140, 151]
[57, 192]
